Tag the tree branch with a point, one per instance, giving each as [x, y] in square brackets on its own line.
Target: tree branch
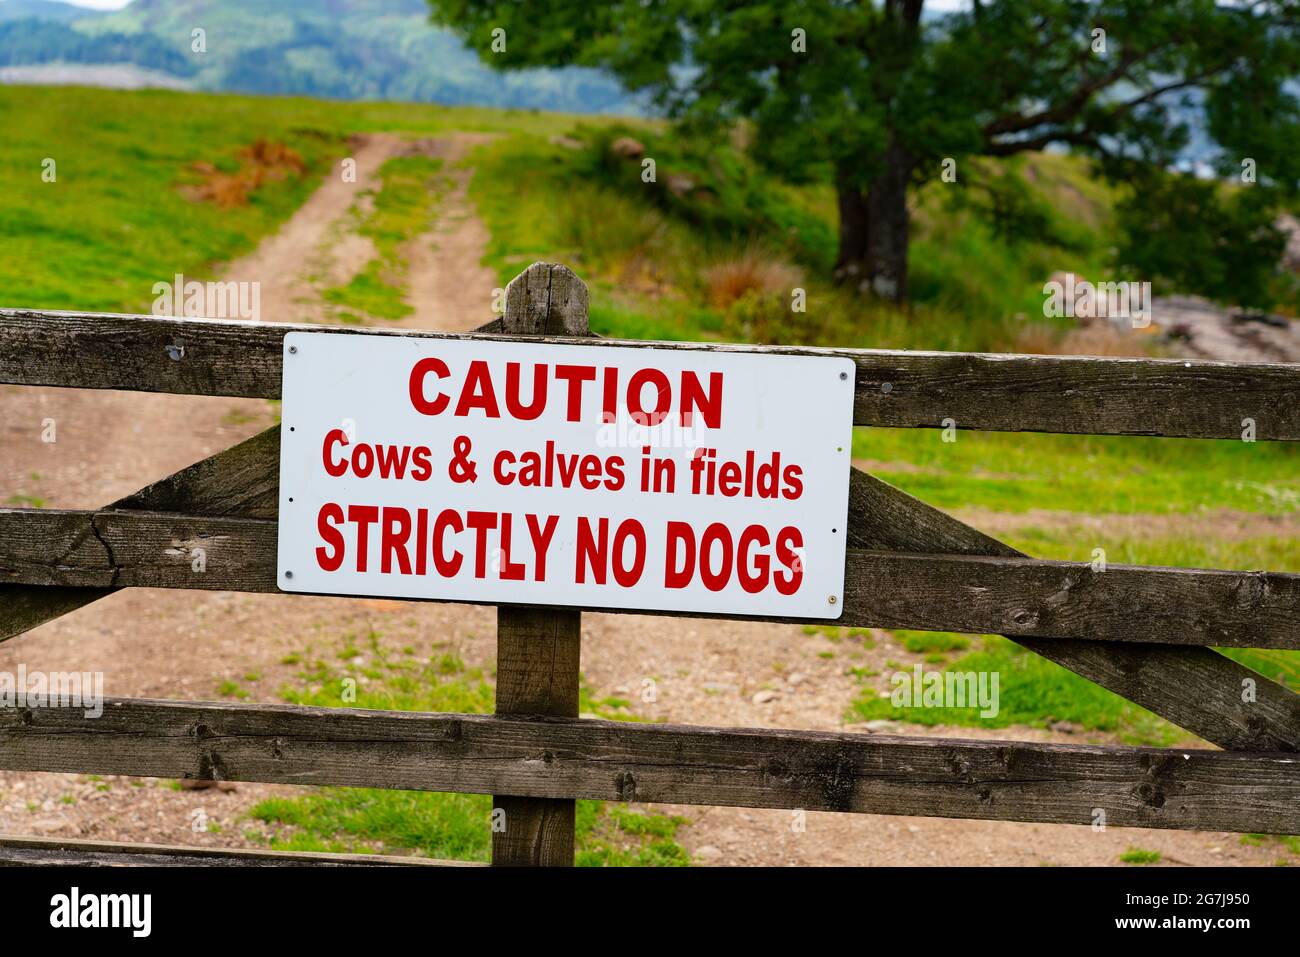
[1073, 137]
[1069, 108]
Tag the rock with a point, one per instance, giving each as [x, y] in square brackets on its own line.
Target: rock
[707, 853]
[796, 678]
[679, 184]
[1198, 328]
[763, 697]
[627, 148]
[880, 724]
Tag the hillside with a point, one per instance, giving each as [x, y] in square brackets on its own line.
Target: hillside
[344, 49]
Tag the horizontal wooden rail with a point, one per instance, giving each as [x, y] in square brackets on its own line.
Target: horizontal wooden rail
[626, 761]
[882, 589]
[33, 851]
[897, 389]
[1196, 688]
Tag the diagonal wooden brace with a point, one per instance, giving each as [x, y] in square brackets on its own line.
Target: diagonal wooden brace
[1196, 688]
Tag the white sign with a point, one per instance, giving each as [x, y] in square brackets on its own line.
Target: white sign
[595, 476]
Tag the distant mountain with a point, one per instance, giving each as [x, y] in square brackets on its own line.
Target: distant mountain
[342, 49]
[42, 10]
[31, 41]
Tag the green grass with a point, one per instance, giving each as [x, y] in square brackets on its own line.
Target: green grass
[1036, 692]
[117, 221]
[1282, 842]
[642, 249]
[1032, 691]
[1075, 542]
[1084, 473]
[363, 673]
[400, 210]
[1139, 857]
[538, 204]
[924, 642]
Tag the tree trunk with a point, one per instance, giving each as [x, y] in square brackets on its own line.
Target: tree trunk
[851, 263]
[874, 229]
[888, 237]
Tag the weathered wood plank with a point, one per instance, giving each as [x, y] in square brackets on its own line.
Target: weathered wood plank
[539, 650]
[52, 851]
[565, 758]
[898, 389]
[1025, 597]
[1196, 688]
[241, 480]
[1014, 596]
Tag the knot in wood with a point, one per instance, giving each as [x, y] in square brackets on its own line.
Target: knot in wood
[1150, 795]
[625, 785]
[776, 768]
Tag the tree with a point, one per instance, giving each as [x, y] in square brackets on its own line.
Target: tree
[880, 97]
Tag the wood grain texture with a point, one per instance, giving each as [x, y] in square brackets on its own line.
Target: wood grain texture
[565, 758]
[1014, 596]
[1026, 597]
[241, 480]
[539, 650]
[1196, 688]
[897, 389]
[46, 851]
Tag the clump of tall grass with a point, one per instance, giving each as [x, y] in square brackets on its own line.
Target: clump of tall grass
[752, 272]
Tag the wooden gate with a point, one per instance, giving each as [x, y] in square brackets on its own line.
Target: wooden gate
[1145, 633]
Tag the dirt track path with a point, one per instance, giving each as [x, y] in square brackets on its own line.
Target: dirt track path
[171, 644]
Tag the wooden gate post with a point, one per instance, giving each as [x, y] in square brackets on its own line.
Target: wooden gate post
[538, 649]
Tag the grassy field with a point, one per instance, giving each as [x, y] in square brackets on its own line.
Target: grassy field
[721, 266]
[118, 218]
[361, 673]
[127, 211]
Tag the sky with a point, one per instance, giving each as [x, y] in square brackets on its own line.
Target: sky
[940, 5]
[99, 4]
